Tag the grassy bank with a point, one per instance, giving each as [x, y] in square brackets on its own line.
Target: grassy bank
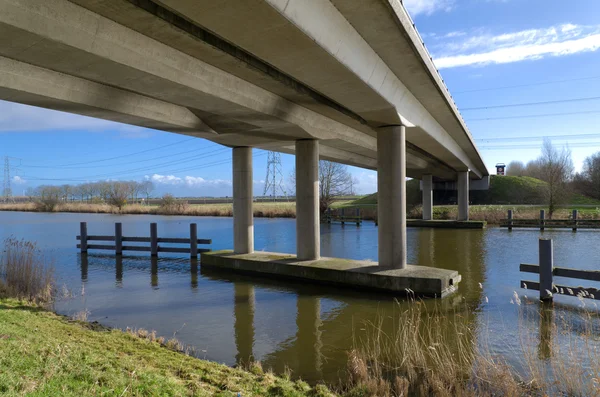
[48, 355]
[261, 210]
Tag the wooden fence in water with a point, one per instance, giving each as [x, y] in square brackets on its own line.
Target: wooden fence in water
[192, 242]
[547, 272]
[342, 216]
[542, 223]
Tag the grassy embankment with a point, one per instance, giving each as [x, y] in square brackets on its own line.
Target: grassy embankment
[429, 352]
[45, 354]
[522, 194]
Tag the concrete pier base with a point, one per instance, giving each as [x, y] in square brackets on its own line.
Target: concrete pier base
[424, 281]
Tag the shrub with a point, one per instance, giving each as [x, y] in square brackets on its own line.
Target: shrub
[24, 274]
[169, 205]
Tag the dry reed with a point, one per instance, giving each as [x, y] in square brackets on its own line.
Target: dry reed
[430, 353]
[24, 273]
[261, 210]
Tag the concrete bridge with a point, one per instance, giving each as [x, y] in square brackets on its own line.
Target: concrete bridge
[348, 81]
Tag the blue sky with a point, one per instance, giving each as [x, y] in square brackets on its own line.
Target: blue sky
[491, 53]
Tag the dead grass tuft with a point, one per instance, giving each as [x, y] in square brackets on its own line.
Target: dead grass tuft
[24, 273]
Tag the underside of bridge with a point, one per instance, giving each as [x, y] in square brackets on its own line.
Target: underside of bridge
[348, 81]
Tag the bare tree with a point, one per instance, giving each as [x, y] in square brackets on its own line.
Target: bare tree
[118, 193]
[591, 175]
[334, 180]
[515, 168]
[556, 169]
[47, 197]
[146, 187]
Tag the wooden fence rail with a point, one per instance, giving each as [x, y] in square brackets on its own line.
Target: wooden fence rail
[547, 271]
[542, 223]
[193, 241]
[342, 216]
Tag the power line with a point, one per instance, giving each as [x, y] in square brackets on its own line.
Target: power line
[528, 116]
[534, 138]
[127, 155]
[146, 168]
[526, 85]
[117, 164]
[197, 167]
[532, 103]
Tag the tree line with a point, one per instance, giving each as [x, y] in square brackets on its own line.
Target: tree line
[555, 167]
[111, 192]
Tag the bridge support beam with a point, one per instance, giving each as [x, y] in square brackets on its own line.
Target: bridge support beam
[463, 196]
[391, 196]
[243, 222]
[427, 197]
[308, 244]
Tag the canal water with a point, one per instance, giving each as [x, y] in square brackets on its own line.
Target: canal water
[309, 329]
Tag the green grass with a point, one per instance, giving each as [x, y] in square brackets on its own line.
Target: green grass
[43, 354]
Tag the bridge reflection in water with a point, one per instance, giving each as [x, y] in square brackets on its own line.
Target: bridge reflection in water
[327, 320]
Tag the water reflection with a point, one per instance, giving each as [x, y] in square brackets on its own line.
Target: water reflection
[546, 330]
[194, 274]
[154, 271]
[243, 311]
[326, 319]
[308, 328]
[118, 271]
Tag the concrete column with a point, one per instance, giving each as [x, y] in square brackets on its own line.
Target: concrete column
[308, 245]
[427, 197]
[463, 196]
[391, 196]
[243, 222]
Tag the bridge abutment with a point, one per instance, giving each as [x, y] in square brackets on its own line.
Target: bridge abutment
[243, 222]
[391, 196]
[308, 244]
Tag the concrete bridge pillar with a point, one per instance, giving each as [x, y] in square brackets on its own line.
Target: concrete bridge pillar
[427, 197]
[463, 196]
[391, 196]
[308, 244]
[243, 222]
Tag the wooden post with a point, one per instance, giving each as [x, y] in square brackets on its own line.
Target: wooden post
[574, 220]
[118, 238]
[546, 269]
[342, 216]
[542, 219]
[84, 237]
[193, 240]
[510, 219]
[153, 239]
[358, 217]
[328, 215]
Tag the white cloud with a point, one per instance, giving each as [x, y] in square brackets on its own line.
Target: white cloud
[530, 44]
[18, 180]
[427, 7]
[188, 181]
[164, 179]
